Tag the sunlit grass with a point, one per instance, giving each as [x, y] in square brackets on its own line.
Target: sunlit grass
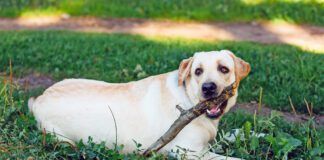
[252, 2]
[48, 12]
[295, 11]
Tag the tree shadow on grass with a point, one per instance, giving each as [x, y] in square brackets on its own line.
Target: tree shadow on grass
[282, 71]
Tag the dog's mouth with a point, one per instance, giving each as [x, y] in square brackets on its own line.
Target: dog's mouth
[216, 111]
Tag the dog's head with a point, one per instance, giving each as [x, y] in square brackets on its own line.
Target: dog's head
[206, 74]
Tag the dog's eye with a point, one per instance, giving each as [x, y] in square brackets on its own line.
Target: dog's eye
[199, 71]
[223, 69]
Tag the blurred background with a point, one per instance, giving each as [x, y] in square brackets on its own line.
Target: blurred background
[45, 41]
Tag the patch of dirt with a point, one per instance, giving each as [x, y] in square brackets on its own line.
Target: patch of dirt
[33, 81]
[252, 108]
[304, 36]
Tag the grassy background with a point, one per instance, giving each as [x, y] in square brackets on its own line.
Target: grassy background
[281, 70]
[296, 11]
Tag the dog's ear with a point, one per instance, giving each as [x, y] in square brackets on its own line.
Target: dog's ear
[184, 70]
[242, 68]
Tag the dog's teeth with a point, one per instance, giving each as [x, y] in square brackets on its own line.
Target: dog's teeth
[208, 111]
[218, 110]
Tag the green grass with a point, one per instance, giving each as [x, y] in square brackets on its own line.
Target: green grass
[21, 139]
[283, 140]
[296, 11]
[282, 71]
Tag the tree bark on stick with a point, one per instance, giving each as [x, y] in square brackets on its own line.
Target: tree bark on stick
[187, 116]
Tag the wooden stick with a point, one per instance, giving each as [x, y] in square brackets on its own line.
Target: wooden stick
[187, 116]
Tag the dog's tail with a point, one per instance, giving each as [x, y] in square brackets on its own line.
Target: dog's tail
[30, 104]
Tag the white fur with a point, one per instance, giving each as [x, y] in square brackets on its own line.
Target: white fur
[76, 108]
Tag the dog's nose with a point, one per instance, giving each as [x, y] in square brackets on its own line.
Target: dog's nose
[209, 88]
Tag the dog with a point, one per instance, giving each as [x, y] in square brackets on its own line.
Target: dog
[142, 111]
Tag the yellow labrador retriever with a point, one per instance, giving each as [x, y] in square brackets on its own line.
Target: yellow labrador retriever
[77, 109]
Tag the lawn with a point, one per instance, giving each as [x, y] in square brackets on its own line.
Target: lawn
[295, 11]
[281, 71]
